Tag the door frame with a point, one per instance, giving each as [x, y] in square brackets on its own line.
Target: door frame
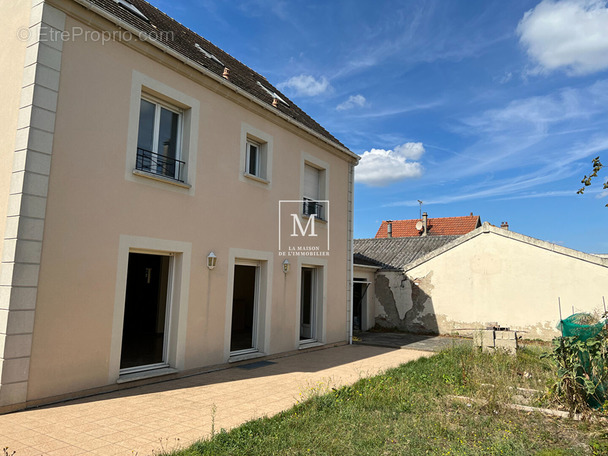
[177, 298]
[363, 324]
[256, 303]
[314, 297]
[320, 313]
[168, 313]
[265, 260]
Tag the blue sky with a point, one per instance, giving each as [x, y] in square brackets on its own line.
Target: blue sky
[483, 106]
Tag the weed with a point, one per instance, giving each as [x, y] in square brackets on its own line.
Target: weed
[409, 411]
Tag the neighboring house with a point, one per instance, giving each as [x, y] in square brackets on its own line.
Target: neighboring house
[441, 226]
[140, 190]
[378, 278]
[488, 276]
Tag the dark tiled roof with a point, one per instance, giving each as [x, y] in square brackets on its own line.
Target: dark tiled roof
[362, 260]
[444, 226]
[183, 41]
[395, 253]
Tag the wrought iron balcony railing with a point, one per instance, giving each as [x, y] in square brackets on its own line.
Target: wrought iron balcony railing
[160, 165]
[312, 207]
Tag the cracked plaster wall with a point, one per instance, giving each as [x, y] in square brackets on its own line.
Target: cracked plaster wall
[403, 305]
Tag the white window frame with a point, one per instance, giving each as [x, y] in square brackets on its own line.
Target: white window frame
[263, 310]
[256, 305]
[147, 87]
[177, 298]
[158, 104]
[168, 314]
[264, 142]
[257, 172]
[323, 167]
[320, 311]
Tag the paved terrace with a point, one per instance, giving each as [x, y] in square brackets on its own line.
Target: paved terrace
[173, 414]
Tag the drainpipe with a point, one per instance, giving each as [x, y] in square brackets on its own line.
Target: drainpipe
[424, 223]
[389, 228]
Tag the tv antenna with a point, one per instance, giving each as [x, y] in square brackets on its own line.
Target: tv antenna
[420, 202]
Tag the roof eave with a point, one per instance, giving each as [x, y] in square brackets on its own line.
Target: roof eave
[128, 27]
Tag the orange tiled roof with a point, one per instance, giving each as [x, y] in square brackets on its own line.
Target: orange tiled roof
[442, 226]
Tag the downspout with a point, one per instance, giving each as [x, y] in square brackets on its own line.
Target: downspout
[350, 249]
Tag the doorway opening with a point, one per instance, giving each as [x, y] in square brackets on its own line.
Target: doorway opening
[244, 309]
[144, 334]
[308, 304]
[359, 303]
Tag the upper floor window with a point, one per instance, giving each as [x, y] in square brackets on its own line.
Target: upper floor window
[256, 156]
[159, 139]
[312, 194]
[254, 159]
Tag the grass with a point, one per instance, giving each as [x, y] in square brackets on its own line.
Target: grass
[411, 410]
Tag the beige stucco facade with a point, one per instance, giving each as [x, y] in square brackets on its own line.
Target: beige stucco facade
[97, 210]
[494, 275]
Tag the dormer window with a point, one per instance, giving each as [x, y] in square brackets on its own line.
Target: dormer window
[132, 9]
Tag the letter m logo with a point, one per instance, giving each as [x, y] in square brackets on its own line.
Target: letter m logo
[297, 226]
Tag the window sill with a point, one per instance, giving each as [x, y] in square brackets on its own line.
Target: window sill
[246, 356]
[307, 216]
[156, 177]
[133, 377]
[256, 178]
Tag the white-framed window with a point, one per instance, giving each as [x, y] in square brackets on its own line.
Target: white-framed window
[159, 139]
[168, 278]
[162, 140]
[313, 193]
[256, 156]
[312, 313]
[254, 165]
[248, 304]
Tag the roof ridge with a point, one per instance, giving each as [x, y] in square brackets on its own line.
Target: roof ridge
[434, 218]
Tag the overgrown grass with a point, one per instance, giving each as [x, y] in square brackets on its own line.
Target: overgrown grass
[411, 410]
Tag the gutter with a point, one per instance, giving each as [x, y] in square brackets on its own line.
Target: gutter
[167, 50]
[375, 268]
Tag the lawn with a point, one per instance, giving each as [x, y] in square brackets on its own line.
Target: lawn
[412, 410]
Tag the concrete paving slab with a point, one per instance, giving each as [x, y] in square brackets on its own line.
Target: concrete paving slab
[408, 341]
[164, 416]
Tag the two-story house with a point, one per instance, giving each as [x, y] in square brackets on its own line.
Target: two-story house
[157, 204]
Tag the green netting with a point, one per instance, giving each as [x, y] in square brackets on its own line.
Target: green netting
[581, 325]
[585, 326]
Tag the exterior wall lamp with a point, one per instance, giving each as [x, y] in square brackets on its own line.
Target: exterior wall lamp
[211, 260]
[286, 266]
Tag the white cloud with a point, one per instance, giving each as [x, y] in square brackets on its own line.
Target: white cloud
[379, 167]
[354, 101]
[410, 150]
[569, 34]
[306, 85]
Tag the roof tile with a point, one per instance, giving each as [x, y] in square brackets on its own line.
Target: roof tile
[183, 41]
[395, 253]
[442, 226]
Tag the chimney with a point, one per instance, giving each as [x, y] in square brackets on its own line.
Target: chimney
[504, 225]
[226, 74]
[389, 228]
[424, 223]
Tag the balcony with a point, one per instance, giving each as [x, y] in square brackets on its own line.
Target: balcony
[311, 207]
[160, 165]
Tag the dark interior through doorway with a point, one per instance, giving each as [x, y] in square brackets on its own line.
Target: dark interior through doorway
[243, 308]
[143, 334]
[359, 296]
